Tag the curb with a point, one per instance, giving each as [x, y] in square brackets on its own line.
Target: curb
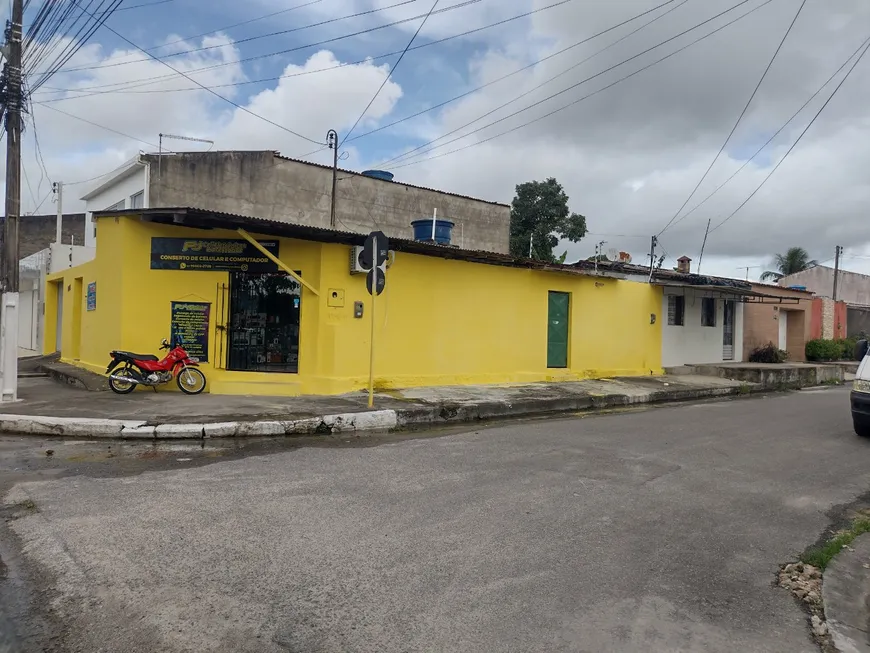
[377, 420]
[845, 593]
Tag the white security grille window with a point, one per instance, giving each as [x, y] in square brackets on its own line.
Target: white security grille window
[676, 310]
[137, 201]
[117, 206]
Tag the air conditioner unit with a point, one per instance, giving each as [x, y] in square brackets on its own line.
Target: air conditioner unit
[355, 266]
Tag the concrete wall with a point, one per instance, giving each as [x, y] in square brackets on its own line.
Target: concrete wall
[858, 321]
[37, 232]
[761, 322]
[695, 344]
[438, 322]
[263, 185]
[852, 288]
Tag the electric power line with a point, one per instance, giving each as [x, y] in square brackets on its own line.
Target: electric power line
[546, 99]
[147, 4]
[132, 89]
[197, 36]
[342, 37]
[775, 134]
[539, 61]
[739, 118]
[795, 144]
[574, 102]
[109, 129]
[215, 93]
[389, 74]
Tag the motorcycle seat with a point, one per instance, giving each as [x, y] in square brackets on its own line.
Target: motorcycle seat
[136, 357]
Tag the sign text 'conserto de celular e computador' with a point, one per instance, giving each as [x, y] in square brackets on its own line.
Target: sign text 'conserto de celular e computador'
[211, 254]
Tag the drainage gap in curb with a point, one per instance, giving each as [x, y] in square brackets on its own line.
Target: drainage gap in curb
[803, 578]
[804, 581]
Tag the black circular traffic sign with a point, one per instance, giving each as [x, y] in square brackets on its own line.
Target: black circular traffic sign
[376, 248]
[376, 279]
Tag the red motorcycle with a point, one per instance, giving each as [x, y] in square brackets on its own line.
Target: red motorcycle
[148, 370]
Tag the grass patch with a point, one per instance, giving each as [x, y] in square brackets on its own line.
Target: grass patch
[744, 389]
[820, 556]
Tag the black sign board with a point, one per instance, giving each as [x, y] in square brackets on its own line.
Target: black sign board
[211, 254]
[190, 327]
[380, 256]
[376, 279]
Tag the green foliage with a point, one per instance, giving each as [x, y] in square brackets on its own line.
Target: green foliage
[824, 350]
[769, 353]
[847, 348]
[796, 259]
[821, 556]
[540, 215]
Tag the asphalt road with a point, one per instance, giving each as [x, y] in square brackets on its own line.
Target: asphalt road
[656, 530]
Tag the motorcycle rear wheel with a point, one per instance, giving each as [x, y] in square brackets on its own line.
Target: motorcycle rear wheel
[122, 387]
[191, 381]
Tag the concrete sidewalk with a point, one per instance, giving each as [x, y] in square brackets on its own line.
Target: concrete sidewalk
[50, 408]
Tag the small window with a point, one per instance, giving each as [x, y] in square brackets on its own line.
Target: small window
[117, 206]
[137, 201]
[708, 312]
[676, 310]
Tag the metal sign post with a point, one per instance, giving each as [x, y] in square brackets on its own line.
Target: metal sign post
[374, 259]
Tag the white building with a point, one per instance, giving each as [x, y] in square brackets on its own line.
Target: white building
[125, 188]
[701, 317]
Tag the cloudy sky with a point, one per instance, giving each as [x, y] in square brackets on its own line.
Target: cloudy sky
[495, 93]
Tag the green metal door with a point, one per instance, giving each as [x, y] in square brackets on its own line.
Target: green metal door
[557, 329]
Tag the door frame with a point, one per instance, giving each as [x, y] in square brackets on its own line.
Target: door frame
[567, 328]
[729, 327]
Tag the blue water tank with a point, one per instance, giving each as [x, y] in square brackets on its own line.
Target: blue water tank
[797, 287]
[423, 230]
[378, 174]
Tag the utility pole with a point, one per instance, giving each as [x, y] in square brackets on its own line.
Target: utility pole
[837, 270]
[58, 190]
[9, 316]
[652, 256]
[332, 143]
[703, 245]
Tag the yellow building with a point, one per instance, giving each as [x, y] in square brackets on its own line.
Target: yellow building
[447, 316]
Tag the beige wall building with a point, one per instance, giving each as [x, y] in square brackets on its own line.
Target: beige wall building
[787, 324]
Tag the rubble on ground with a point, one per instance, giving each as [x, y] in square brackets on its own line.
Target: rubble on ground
[805, 582]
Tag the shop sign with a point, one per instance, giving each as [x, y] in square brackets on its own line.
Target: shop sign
[190, 328]
[211, 254]
[92, 296]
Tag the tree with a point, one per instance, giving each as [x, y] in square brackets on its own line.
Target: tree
[540, 217]
[796, 259]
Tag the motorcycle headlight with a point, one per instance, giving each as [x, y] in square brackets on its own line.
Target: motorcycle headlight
[861, 386]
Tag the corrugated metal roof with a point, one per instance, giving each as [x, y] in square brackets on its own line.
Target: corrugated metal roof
[204, 219]
[670, 275]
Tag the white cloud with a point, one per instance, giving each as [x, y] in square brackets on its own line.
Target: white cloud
[308, 103]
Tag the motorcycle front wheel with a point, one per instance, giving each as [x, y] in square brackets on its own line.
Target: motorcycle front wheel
[191, 381]
[122, 387]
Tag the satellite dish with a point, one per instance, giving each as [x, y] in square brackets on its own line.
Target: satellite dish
[612, 254]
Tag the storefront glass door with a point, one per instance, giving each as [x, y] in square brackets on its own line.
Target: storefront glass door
[264, 323]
